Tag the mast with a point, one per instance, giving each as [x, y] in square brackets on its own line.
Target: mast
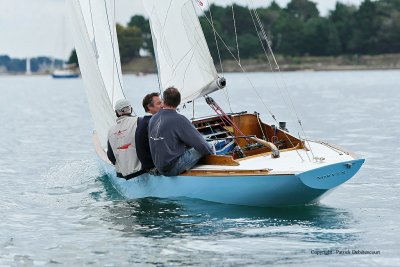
[28, 66]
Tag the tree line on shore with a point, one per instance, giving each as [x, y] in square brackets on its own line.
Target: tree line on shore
[37, 64]
[295, 30]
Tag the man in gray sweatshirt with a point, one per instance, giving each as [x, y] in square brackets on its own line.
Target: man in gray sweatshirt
[175, 144]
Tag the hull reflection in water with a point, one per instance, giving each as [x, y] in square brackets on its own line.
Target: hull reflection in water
[164, 218]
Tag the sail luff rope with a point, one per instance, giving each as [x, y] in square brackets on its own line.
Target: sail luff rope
[155, 55]
[91, 17]
[94, 42]
[113, 71]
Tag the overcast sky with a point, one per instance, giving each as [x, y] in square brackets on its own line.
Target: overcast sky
[30, 28]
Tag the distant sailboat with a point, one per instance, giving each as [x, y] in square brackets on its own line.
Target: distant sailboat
[67, 71]
[257, 164]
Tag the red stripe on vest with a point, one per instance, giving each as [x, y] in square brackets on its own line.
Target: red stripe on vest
[125, 146]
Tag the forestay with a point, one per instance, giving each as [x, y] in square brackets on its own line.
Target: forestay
[182, 54]
[97, 47]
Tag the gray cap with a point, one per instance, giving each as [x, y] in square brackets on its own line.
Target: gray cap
[122, 103]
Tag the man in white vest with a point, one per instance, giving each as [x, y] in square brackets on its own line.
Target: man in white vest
[121, 142]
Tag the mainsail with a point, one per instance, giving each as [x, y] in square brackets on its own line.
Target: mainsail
[182, 54]
[96, 44]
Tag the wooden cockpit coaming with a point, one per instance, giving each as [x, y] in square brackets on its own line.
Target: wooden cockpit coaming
[246, 125]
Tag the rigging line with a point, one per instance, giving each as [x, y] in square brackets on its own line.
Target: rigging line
[272, 53]
[273, 116]
[305, 149]
[265, 35]
[225, 90]
[277, 83]
[215, 36]
[260, 38]
[158, 70]
[244, 71]
[236, 36]
[224, 116]
[283, 81]
[269, 62]
[193, 110]
[265, 51]
[252, 10]
[113, 47]
[262, 130]
[253, 87]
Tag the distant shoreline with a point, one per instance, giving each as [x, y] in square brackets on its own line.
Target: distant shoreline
[147, 65]
[306, 63]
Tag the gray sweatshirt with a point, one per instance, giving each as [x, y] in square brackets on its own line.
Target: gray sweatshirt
[170, 134]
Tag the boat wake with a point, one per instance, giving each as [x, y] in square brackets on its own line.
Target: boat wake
[72, 175]
[78, 182]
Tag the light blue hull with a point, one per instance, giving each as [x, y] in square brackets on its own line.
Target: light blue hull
[272, 190]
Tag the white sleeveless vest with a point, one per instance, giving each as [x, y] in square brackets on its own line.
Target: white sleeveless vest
[122, 140]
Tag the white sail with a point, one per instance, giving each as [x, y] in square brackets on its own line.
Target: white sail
[182, 54]
[96, 44]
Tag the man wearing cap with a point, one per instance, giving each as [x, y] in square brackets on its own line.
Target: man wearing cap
[121, 142]
[152, 104]
[175, 144]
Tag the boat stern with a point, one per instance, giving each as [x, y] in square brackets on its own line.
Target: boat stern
[330, 176]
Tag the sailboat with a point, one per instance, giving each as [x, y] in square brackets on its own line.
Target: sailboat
[67, 71]
[64, 70]
[257, 164]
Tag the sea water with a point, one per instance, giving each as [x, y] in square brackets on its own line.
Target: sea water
[58, 208]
